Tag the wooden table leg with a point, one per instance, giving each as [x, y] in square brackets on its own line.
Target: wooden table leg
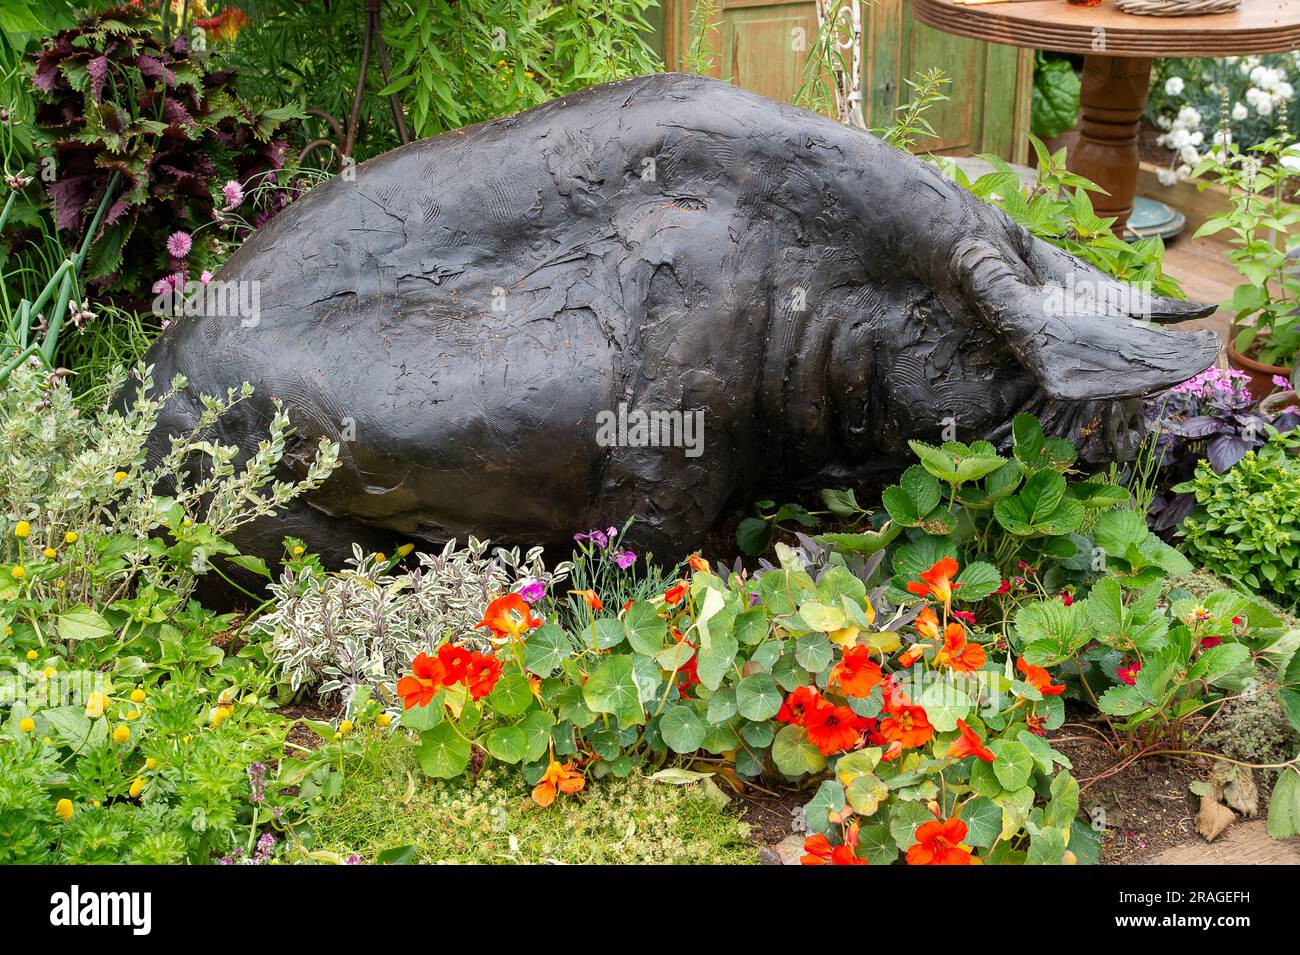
[1112, 98]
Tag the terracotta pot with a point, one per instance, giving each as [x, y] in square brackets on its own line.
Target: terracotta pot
[1260, 374]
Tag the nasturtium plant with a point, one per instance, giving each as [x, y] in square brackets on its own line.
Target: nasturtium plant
[805, 672]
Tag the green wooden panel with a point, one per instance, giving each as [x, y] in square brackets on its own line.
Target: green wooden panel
[764, 45]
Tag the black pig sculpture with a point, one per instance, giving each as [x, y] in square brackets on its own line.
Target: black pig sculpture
[485, 318]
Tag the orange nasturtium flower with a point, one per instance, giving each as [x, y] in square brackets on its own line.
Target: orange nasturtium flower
[969, 744]
[557, 779]
[698, 563]
[591, 598]
[674, 594]
[856, 674]
[1039, 679]
[956, 653]
[911, 654]
[927, 624]
[455, 660]
[819, 851]
[428, 676]
[509, 616]
[906, 724]
[481, 674]
[937, 581]
[833, 729]
[940, 843]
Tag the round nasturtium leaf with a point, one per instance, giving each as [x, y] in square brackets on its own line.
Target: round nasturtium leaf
[682, 729]
[758, 697]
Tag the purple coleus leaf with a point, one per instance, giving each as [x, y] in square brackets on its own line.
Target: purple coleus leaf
[1198, 426]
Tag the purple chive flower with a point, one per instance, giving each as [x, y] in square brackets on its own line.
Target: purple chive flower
[1281, 382]
[353, 859]
[233, 192]
[179, 244]
[624, 559]
[265, 845]
[532, 590]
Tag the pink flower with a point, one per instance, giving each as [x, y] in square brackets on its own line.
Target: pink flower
[965, 615]
[1128, 674]
[233, 192]
[205, 277]
[179, 244]
[1281, 382]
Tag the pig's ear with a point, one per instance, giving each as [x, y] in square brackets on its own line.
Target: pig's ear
[1080, 333]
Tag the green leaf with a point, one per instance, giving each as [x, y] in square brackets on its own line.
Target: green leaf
[1284, 806]
[612, 689]
[546, 648]
[508, 744]
[983, 819]
[794, 755]
[1046, 847]
[813, 652]
[1054, 99]
[607, 632]
[758, 697]
[829, 800]
[442, 753]
[978, 580]
[82, 623]
[1012, 764]
[1040, 508]
[1049, 633]
[945, 704]
[904, 819]
[682, 729]
[512, 695]
[645, 628]
[713, 662]
[876, 844]
[536, 727]
[1121, 700]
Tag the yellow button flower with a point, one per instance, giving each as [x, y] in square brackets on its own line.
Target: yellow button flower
[133, 715]
[18, 572]
[31, 654]
[122, 733]
[137, 787]
[50, 552]
[137, 695]
[50, 673]
[70, 537]
[299, 551]
[63, 809]
[151, 763]
[27, 724]
[405, 549]
[119, 477]
[23, 529]
[381, 556]
[95, 704]
[345, 727]
[219, 716]
[383, 719]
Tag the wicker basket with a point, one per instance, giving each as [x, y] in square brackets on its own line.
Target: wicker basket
[1176, 8]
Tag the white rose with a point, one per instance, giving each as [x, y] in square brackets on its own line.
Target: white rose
[1264, 107]
[1174, 86]
[1178, 139]
[1290, 158]
[1283, 91]
[1184, 172]
[1253, 96]
[1239, 111]
[1166, 177]
[1189, 155]
[1196, 138]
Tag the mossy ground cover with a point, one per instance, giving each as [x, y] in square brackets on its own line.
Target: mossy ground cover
[387, 803]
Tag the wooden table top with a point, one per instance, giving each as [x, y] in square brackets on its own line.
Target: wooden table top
[1257, 26]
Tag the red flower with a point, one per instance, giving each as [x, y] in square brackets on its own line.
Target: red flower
[957, 653]
[937, 581]
[833, 729]
[1039, 679]
[226, 25]
[627, 606]
[455, 660]
[927, 624]
[1211, 642]
[1067, 599]
[674, 594]
[908, 725]
[428, 677]
[969, 744]
[1128, 674]
[797, 704]
[1004, 587]
[856, 674]
[590, 598]
[509, 616]
[966, 616]
[819, 851]
[482, 674]
[939, 843]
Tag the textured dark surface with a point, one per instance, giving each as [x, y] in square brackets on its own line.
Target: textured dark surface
[648, 242]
